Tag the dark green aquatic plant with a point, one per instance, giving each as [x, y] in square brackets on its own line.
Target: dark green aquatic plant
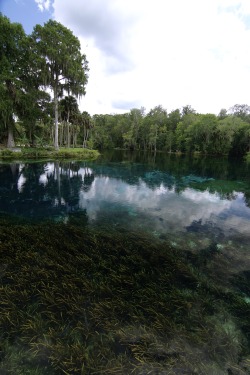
[87, 301]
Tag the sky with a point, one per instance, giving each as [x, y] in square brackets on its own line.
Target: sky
[144, 53]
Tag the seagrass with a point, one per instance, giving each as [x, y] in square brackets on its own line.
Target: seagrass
[75, 300]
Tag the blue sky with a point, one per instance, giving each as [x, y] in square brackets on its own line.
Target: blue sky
[154, 52]
[25, 12]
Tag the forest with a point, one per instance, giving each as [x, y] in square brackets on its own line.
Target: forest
[42, 75]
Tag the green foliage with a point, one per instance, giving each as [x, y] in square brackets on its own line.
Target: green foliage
[12, 70]
[50, 57]
[68, 108]
[49, 153]
[248, 157]
[6, 154]
[186, 132]
[63, 67]
[242, 111]
[104, 132]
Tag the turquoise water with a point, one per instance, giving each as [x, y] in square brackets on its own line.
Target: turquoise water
[140, 261]
[174, 197]
[192, 204]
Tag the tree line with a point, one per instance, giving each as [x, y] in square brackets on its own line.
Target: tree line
[43, 74]
[181, 130]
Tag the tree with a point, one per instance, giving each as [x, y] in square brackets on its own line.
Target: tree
[134, 121]
[69, 112]
[86, 123]
[33, 113]
[203, 133]
[63, 67]
[122, 128]
[12, 63]
[182, 131]
[241, 110]
[103, 125]
[235, 134]
[174, 117]
[32, 108]
[187, 110]
[156, 120]
[226, 130]
[222, 114]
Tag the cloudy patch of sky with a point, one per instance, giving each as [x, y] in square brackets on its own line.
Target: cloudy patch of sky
[161, 52]
[43, 4]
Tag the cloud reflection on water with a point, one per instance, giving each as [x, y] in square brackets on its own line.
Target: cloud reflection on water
[151, 200]
[168, 209]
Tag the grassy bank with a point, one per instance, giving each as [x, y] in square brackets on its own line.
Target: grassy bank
[48, 153]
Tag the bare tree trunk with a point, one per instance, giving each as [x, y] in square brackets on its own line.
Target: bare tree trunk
[56, 118]
[75, 137]
[68, 135]
[10, 142]
[68, 132]
[86, 135]
[52, 135]
[72, 134]
[60, 130]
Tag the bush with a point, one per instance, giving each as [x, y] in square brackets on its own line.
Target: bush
[34, 153]
[6, 154]
[50, 153]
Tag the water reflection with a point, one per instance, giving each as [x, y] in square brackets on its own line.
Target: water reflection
[131, 195]
[163, 209]
[42, 190]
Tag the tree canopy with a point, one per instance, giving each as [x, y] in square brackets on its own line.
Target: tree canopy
[31, 67]
[12, 77]
[62, 66]
[43, 74]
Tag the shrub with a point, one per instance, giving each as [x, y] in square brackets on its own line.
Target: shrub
[6, 154]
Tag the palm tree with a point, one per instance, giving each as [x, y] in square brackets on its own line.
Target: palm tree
[68, 112]
[87, 124]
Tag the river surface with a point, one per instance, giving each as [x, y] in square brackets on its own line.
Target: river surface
[165, 196]
[200, 206]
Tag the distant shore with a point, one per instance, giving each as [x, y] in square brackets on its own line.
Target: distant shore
[19, 153]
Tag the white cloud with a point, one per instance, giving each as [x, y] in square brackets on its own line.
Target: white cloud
[43, 4]
[172, 53]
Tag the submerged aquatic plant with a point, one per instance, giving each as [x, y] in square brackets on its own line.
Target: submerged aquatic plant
[76, 300]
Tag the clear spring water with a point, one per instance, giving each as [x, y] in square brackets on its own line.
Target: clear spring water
[199, 205]
[166, 196]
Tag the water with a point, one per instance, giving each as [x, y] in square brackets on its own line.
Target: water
[193, 209]
[173, 197]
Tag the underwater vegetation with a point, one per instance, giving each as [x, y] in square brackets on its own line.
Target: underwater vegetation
[75, 300]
